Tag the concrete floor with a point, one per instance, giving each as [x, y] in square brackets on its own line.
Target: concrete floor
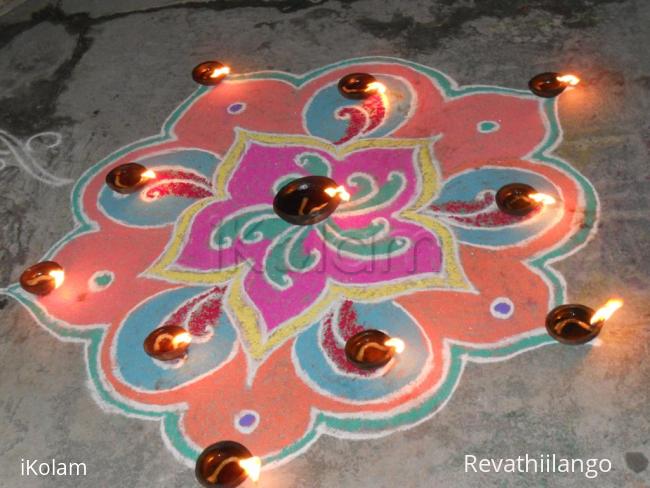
[106, 73]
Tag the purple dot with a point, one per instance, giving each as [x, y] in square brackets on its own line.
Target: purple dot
[247, 420]
[235, 108]
[503, 308]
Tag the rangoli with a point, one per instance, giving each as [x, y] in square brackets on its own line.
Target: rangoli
[420, 251]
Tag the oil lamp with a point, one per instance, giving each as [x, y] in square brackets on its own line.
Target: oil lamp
[226, 464]
[168, 343]
[129, 177]
[42, 278]
[372, 349]
[358, 86]
[521, 199]
[210, 72]
[549, 84]
[309, 200]
[576, 324]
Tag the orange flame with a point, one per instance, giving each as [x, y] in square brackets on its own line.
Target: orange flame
[217, 72]
[377, 87]
[252, 466]
[607, 310]
[542, 198]
[181, 339]
[571, 80]
[148, 175]
[340, 191]
[396, 343]
[58, 275]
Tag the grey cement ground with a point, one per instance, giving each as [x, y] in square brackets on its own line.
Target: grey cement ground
[77, 67]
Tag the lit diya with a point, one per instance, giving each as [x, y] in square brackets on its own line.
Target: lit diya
[308, 200]
[42, 278]
[226, 464]
[576, 324]
[358, 86]
[168, 343]
[210, 72]
[549, 85]
[128, 178]
[520, 199]
[372, 349]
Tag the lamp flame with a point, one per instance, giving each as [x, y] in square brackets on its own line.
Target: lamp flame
[377, 87]
[396, 343]
[340, 191]
[181, 339]
[606, 311]
[58, 275]
[148, 175]
[570, 80]
[217, 72]
[542, 198]
[252, 466]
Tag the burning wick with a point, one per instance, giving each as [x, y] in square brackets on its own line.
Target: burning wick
[58, 275]
[168, 343]
[42, 278]
[129, 178]
[148, 175]
[252, 466]
[550, 84]
[220, 72]
[358, 86]
[309, 200]
[542, 198]
[520, 199]
[397, 344]
[576, 324]
[372, 349]
[376, 87]
[182, 339]
[606, 311]
[210, 73]
[227, 464]
[340, 191]
[570, 80]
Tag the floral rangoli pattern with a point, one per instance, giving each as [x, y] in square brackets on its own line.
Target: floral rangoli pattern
[420, 251]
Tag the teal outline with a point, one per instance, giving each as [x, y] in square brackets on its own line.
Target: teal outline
[458, 354]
